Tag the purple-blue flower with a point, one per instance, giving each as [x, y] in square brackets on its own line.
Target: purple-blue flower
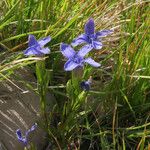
[76, 59]
[85, 85]
[37, 47]
[24, 139]
[90, 37]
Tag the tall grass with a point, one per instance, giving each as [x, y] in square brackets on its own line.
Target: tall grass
[115, 113]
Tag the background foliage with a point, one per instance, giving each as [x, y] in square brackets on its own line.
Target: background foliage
[114, 114]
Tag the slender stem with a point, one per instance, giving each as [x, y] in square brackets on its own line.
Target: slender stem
[55, 139]
[42, 87]
[43, 106]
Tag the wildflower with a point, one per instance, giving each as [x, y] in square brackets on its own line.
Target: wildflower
[76, 59]
[24, 139]
[90, 37]
[37, 47]
[85, 85]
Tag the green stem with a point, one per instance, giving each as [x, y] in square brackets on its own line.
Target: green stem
[43, 105]
[41, 74]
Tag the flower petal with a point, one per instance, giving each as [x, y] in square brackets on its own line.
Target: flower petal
[45, 50]
[80, 40]
[92, 62]
[20, 138]
[34, 126]
[32, 40]
[104, 33]
[97, 44]
[84, 50]
[31, 129]
[44, 41]
[67, 50]
[70, 65]
[19, 134]
[34, 50]
[90, 27]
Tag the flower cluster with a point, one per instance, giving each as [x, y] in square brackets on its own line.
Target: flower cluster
[90, 40]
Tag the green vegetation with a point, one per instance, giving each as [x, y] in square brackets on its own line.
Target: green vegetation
[114, 114]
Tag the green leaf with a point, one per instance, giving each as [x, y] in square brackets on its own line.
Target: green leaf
[69, 88]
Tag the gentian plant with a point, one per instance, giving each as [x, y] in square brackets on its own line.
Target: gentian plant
[24, 139]
[76, 88]
[37, 48]
[91, 37]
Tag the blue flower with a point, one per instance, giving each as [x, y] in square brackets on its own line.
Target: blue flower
[85, 85]
[37, 47]
[76, 59]
[90, 37]
[24, 139]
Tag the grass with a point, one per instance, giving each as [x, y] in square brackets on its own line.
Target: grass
[114, 114]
